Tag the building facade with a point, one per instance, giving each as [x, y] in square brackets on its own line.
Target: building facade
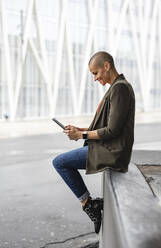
[45, 47]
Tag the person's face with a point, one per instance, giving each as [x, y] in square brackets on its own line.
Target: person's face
[101, 74]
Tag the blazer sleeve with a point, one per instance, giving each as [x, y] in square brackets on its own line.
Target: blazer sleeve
[119, 108]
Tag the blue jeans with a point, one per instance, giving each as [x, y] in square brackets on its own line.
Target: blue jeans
[67, 165]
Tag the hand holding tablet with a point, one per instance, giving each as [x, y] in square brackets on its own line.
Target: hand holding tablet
[66, 128]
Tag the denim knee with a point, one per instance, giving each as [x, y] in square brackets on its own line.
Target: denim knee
[56, 162]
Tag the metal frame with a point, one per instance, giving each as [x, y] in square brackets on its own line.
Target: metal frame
[141, 46]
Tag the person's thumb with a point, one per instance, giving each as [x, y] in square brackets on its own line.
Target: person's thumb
[68, 127]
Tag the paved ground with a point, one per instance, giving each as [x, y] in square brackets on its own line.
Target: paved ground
[36, 207]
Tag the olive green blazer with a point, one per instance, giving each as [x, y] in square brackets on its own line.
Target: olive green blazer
[114, 123]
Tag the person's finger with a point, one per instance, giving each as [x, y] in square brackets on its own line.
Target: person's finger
[66, 132]
[67, 127]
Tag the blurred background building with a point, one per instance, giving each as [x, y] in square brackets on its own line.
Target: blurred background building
[45, 46]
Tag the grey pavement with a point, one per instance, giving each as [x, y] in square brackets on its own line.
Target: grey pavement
[36, 207]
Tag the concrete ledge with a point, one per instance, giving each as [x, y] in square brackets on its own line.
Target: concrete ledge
[132, 215]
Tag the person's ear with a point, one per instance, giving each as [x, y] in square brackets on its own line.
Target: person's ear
[107, 66]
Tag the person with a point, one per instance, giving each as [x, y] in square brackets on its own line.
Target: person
[108, 140]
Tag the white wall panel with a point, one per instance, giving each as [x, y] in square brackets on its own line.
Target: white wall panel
[45, 47]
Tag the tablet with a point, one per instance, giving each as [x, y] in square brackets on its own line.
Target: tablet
[59, 123]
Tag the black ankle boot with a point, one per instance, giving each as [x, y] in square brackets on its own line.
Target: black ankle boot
[93, 210]
[99, 201]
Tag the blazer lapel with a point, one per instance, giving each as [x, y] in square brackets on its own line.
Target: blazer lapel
[97, 115]
[100, 110]
[91, 125]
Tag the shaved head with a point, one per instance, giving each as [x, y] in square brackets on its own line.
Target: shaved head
[100, 58]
